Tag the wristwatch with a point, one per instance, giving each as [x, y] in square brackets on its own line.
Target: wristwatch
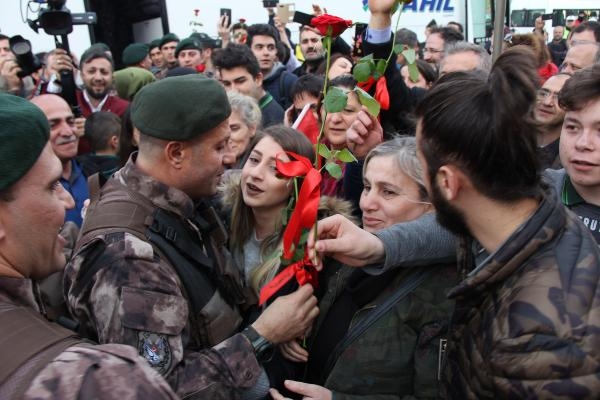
[263, 349]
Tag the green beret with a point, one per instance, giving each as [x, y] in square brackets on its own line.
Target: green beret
[134, 53]
[169, 37]
[129, 81]
[153, 44]
[180, 108]
[187, 44]
[205, 41]
[24, 131]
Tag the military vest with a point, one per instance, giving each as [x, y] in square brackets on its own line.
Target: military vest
[194, 248]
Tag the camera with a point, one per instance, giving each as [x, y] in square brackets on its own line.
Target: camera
[27, 61]
[57, 20]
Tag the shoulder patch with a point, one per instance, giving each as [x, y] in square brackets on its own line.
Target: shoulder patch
[156, 350]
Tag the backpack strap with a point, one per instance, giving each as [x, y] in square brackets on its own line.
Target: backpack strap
[411, 282]
[29, 343]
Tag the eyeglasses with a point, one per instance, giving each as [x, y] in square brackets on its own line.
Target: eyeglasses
[430, 50]
[543, 94]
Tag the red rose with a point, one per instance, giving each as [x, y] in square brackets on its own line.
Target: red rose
[337, 24]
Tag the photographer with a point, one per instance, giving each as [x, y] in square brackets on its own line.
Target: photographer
[10, 71]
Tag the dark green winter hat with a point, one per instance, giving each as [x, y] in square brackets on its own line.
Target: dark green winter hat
[169, 37]
[180, 108]
[187, 44]
[134, 53]
[24, 131]
[153, 44]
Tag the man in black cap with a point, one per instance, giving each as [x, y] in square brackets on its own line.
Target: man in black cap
[168, 44]
[150, 268]
[208, 44]
[189, 54]
[155, 56]
[137, 55]
[41, 359]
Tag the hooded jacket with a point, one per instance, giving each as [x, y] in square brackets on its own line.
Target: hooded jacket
[527, 319]
[279, 84]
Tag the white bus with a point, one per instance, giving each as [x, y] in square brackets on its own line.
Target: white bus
[524, 12]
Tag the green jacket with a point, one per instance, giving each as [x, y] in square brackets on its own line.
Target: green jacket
[397, 357]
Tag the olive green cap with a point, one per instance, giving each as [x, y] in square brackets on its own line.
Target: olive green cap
[134, 53]
[24, 132]
[180, 108]
[154, 43]
[169, 37]
[187, 44]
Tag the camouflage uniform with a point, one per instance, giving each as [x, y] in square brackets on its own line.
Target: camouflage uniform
[527, 319]
[398, 355]
[137, 298]
[83, 371]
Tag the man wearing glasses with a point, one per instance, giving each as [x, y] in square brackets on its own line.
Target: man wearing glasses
[550, 116]
[436, 44]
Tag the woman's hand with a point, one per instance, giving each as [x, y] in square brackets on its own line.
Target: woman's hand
[293, 351]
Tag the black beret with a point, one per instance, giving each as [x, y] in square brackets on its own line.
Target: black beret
[205, 41]
[154, 43]
[180, 108]
[24, 132]
[187, 44]
[134, 53]
[169, 37]
[179, 71]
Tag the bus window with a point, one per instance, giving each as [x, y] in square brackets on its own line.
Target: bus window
[525, 17]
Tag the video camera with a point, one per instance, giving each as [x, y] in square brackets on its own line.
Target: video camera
[57, 20]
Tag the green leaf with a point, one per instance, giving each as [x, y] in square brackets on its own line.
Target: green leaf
[362, 71]
[410, 56]
[324, 151]
[334, 170]
[381, 66]
[345, 155]
[366, 58]
[335, 100]
[413, 72]
[398, 48]
[366, 100]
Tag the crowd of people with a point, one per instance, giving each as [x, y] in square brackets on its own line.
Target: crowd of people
[458, 255]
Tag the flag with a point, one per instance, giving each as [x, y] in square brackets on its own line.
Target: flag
[307, 124]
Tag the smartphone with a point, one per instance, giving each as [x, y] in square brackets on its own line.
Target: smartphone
[302, 18]
[546, 17]
[226, 11]
[359, 28]
[286, 12]
[270, 3]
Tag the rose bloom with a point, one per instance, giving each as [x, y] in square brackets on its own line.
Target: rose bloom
[337, 24]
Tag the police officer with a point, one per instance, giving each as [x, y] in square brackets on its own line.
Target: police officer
[150, 268]
[41, 359]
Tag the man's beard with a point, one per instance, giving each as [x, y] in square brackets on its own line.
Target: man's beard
[97, 95]
[447, 215]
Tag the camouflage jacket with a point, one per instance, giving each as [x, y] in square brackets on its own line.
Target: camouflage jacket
[527, 318]
[398, 356]
[137, 298]
[83, 371]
